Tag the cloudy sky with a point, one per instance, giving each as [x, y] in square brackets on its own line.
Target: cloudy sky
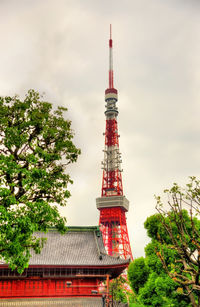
[60, 48]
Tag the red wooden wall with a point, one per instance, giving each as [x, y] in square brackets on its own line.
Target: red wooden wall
[38, 287]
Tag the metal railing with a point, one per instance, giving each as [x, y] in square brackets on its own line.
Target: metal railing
[112, 303]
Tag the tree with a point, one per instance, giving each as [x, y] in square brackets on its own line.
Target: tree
[169, 275]
[178, 231]
[118, 290]
[138, 273]
[151, 284]
[35, 147]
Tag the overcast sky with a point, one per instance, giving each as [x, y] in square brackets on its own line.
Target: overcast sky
[60, 48]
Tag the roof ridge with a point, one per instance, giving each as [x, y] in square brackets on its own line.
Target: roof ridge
[78, 228]
[97, 245]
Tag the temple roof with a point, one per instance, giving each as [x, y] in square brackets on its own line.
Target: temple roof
[80, 246]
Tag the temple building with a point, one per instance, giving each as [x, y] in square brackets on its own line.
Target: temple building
[69, 265]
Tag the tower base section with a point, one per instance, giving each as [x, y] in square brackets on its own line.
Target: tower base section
[115, 233]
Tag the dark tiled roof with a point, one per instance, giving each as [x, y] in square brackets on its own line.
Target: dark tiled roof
[81, 246]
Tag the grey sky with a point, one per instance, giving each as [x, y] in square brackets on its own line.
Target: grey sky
[61, 48]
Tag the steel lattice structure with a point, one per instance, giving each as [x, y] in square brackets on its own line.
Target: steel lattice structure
[112, 204]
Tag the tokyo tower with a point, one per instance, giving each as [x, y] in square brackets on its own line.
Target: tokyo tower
[112, 204]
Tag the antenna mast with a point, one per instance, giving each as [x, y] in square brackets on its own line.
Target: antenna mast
[110, 60]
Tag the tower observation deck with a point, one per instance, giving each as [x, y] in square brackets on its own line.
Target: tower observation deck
[112, 204]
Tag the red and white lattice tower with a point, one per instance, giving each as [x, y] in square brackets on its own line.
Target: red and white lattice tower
[112, 204]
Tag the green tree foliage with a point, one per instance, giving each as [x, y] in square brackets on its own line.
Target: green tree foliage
[35, 146]
[138, 273]
[118, 290]
[177, 232]
[169, 275]
[150, 282]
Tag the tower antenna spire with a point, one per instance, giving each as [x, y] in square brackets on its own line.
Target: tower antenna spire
[111, 85]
